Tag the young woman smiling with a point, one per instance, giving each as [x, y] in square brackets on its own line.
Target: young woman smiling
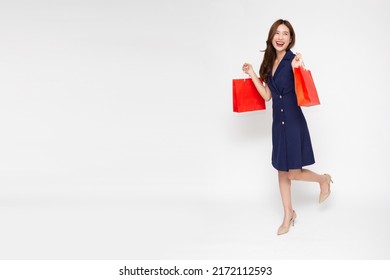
[291, 143]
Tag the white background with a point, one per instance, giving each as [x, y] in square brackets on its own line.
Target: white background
[118, 139]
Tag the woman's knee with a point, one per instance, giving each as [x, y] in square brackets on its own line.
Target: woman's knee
[293, 174]
[283, 174]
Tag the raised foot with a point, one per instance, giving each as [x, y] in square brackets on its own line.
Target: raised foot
[325, 194]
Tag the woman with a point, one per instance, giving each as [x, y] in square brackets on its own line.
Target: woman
[291, 144]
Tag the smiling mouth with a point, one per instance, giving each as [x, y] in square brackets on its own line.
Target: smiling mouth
[279, 43]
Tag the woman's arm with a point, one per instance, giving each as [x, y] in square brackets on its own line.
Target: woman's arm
[264, 90]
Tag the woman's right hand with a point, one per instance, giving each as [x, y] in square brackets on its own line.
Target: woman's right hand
[248, 69]
[261, 88]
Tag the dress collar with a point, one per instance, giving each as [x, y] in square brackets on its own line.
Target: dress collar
[285, 61]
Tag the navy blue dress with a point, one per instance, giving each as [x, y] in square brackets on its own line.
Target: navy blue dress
[291, 144]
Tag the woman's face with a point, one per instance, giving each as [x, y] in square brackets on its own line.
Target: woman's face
[282, 38]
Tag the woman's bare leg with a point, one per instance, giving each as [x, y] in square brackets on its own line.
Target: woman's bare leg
[285, 192]
[310, 176]
[285, 179]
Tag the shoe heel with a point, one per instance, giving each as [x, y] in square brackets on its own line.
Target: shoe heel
[330, 178]
[293, 219]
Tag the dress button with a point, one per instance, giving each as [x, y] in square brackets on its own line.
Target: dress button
[280, 97]
[281, 110]
[283, 123]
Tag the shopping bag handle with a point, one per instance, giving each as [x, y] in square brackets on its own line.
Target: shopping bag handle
[303, 64]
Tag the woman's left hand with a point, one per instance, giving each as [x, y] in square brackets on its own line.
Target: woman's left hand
[297, 61]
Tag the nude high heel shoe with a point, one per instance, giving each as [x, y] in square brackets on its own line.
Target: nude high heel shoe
[323, 197]
[284, 229]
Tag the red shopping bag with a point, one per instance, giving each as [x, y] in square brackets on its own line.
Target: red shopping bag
[246, 97]
[305, 88]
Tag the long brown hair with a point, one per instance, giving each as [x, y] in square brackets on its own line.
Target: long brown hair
[270, 52]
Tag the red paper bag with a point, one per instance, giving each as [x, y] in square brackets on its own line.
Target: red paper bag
[246, 97]
[305, 88]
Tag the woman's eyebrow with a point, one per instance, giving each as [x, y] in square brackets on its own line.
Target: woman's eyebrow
[279, 31]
